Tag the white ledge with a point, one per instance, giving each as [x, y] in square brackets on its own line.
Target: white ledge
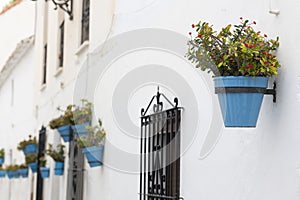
[43, 87]
[82, 47]
[58, 71]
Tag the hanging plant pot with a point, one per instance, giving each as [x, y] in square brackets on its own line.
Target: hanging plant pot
[59, 168]
[16, 174]
[30, 148]
[33, 167]
[23, 172]
[64, 132]
[2, 173]
[240, 109]
[45, 172]
[94, 155]
[1, 161]
[80, 129]
[10, 174]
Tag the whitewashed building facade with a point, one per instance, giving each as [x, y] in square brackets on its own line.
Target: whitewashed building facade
[116, 54]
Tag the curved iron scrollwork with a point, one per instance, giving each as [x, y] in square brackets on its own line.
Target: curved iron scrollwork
[65, 5]
[158, 106]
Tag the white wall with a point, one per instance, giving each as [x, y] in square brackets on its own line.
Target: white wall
[261, 163]
[16, 24]
[18, 122]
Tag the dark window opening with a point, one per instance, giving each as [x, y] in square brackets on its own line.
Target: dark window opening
[61, 44]
[75, 171]
[45, 65]
[85, 21]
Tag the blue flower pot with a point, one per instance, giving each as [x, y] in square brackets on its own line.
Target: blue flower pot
[64, 132]
[45, 172]
[94, 155]
[30, 148]
[16, 174]
[2, 173]
[80, 129]
[23, 172]
[10, 174]
[240, 109]
[33, 167]
[1, 161]
[59, 168]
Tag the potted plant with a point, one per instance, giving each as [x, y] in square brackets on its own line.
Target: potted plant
[2, 155]
[82, 117]
[93, 144]
[23, 170]
[2, 172]
[28, 146]
[239, 57]
[9, 170]
[58, 155]
[31, 161]
[45, 171]
[12, 171]
[63, 123]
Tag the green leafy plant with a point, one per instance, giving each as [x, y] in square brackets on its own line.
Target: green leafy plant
[12, 167]
[57, 154]
[62, 120]
[73, 115]
[22, 144]
[23, 166]
[82, 114]
[236, 50]
[2, 153]
[43, 161]
[94, 137]
[30, 158]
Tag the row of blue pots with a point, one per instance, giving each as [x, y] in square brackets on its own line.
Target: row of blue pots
[94, 154]
[45, 171]
[65, 131]
[58, 169]
[14, 174]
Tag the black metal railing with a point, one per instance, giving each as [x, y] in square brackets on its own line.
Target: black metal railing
[40, 153]
[160, 151]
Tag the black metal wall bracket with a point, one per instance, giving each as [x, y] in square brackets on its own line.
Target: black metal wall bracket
[248, 90]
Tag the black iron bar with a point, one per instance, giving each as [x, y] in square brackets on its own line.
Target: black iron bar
[141, 157]
[145, 150]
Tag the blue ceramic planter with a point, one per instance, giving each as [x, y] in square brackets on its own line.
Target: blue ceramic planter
[59, 168]
[64, 132]
[2, 173]
[30, 148]
[16, 174]
[240, 109]
[45, 172]
[1, 161]
[80, 129]
[33, 167]
[10, 174]
[94, 155]
[23, 172]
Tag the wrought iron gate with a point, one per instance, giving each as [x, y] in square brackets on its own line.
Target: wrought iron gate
[75, 171]
[160, 151]
[41, 149]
